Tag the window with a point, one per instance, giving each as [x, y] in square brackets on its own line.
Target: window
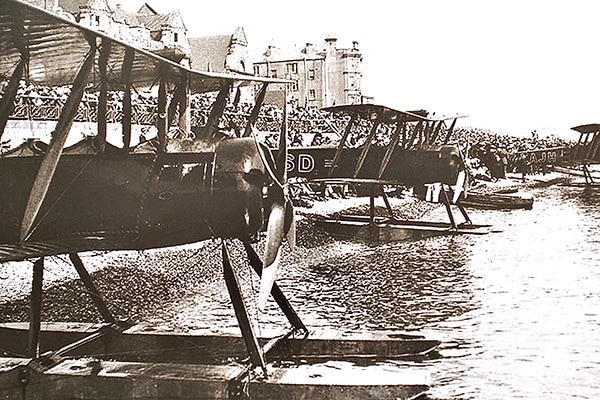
[97, 20]
[293, 86]
[273, 73]
[176, 37]
[292, 68]
[312, 94]
[311, 74]
[256, 70]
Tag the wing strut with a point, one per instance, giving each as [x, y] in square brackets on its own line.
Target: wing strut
[260, 97]
[7, 102]
[179, 104]
[450, 131]
[217, 110]
[413, 135]
[103, 96]
[392, 146]
[127, 107]
[55, 148]
[436, 133]
[343, 139]
[367, 145]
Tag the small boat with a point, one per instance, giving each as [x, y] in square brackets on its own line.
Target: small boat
[499, 201]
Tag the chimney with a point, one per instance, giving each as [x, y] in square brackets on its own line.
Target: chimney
[309, 48]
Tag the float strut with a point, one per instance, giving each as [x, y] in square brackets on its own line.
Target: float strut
[89, 284]
[372, 204]
[276, 292]
[464, 212]
[235, 293]
[35, 319]
[387, 204]
[446, 202]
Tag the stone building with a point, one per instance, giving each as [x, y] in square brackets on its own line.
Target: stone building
[164, 34]
[222, 53]
[321, 77]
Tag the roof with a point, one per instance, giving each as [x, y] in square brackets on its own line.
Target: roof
[277, 54]
[126, 17]
[57, 46]
[145, 9]
[588, 128]
[156, 22]
[72, 6]
[390, 115]
[209, 53]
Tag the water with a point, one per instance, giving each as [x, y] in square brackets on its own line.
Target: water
[517, 310]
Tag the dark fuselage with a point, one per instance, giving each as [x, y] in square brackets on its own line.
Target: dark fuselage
[137, 200]
[405, 167]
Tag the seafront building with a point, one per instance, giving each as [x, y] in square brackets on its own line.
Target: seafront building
[164, 34]
[321, 77]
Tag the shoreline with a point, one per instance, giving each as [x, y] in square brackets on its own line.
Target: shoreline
[140, 285]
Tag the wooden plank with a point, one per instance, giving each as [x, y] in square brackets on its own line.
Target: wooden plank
[141, 343]
[98, 379]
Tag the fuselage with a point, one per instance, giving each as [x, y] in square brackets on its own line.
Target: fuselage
[141, 199]
[408, 167]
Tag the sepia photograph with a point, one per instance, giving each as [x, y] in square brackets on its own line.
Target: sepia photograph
[312, 200]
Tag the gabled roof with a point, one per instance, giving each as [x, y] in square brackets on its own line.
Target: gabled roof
[209, 53]
[72, 6]
[146, 10]
[157, 21]
[125, 17]
[239, 37]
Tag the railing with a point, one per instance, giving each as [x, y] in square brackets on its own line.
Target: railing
[49, 108]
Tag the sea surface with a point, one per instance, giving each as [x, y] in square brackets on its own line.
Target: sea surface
[517, 310]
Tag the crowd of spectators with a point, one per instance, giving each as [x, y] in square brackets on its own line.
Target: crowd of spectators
[488, 154]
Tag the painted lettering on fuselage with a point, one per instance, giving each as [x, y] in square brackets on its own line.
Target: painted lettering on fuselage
[301, 163]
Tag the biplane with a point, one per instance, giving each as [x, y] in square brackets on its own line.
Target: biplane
[586, 151]
[381, 146]
[172, 189]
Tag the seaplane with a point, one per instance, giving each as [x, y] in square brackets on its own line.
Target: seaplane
[384, 147]
[583, 154]
[182, 186]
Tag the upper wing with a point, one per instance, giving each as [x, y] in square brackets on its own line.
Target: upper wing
[55, 47]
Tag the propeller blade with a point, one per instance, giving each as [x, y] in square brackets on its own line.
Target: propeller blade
[275, 234]
[281, 217]
[460, 185]
[290, 224]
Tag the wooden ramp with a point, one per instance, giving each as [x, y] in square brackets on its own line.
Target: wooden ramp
[104, 380]
[144, 364]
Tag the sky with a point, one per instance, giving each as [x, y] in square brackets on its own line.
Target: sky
[510, 66]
